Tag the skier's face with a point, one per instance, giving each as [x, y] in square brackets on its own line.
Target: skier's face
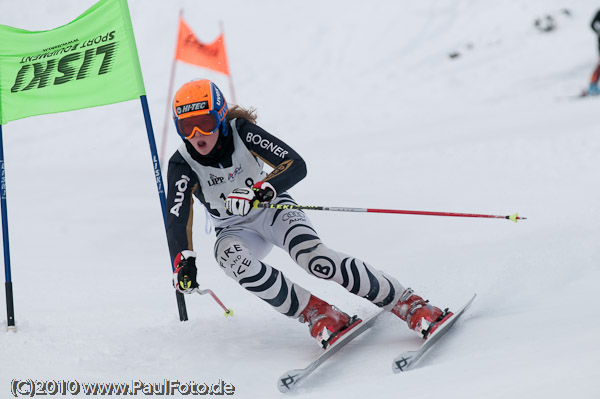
[204, 144]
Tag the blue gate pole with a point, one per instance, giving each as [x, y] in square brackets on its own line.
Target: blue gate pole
[161, 193]
[10, 308]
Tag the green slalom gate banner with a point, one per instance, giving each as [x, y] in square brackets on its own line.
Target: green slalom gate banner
[88, 62]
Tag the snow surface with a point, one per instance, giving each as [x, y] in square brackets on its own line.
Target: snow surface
[385, 119]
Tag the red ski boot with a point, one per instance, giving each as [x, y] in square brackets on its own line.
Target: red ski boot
[419, 314]
[326, 322]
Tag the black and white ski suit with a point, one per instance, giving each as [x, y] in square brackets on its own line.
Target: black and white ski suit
[243, 241]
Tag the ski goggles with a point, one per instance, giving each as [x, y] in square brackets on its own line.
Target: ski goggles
[205, 124]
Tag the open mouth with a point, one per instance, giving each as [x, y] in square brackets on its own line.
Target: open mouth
[201, 143]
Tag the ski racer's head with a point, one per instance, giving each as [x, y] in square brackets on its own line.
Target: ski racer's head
[199, 113]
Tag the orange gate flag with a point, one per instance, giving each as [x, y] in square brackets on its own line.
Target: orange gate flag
[192, 51]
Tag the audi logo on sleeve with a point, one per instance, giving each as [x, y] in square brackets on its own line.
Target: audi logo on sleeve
[181, 185]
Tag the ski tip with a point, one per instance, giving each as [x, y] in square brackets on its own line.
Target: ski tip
[288, 380]
[404, 362]
[466, 305]
[472, 299]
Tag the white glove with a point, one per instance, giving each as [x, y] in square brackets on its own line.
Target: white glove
[240, 201]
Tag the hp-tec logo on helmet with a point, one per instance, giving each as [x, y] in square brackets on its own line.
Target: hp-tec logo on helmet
[191, 107]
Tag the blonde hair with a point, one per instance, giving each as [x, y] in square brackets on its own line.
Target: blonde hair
[236, 111]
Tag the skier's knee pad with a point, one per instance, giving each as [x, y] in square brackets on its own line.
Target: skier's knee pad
[236, 260]
[320, 261]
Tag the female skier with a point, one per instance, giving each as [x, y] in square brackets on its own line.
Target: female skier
[221, 163]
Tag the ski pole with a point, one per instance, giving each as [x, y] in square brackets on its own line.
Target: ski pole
[514, 217]
[228, 311]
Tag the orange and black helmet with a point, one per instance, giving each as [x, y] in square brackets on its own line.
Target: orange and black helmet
[199, 107]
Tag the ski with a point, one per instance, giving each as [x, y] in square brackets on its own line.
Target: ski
[290, 379]
[407, 360]
[583, 94]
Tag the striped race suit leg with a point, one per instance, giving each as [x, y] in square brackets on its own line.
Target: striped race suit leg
[239, 251]
[292, 231]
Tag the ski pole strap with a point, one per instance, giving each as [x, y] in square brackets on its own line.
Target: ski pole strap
[265, 205]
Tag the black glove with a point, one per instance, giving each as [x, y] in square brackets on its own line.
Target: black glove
[184, 276]
[264, 192]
